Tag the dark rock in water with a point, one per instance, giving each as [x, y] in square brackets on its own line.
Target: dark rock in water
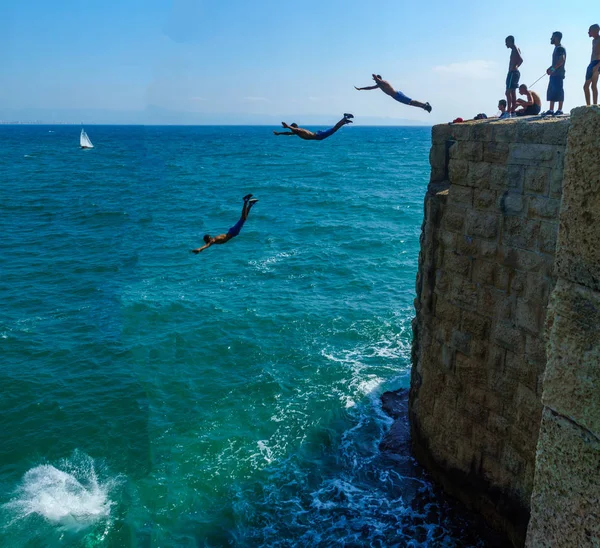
[397, 439]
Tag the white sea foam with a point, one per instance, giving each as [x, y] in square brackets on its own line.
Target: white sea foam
[71, 496]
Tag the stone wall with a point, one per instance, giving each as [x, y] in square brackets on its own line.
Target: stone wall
[485, 276]
[565, 506]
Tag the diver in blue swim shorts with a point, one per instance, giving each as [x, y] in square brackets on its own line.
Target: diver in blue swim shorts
[387, 88]
[316, 135]
[233, 231]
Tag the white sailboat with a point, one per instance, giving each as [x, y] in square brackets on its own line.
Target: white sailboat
[84, 140]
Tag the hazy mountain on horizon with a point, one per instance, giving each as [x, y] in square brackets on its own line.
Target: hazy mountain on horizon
[153, 115]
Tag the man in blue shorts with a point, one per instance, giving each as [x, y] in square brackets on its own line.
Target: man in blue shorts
[233, 231]
[556, 72]
[316, 135]
[387, 88]
[513, 76]
[591, 74]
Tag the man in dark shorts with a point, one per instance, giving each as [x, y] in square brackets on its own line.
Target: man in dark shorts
[317, 135]
[532, 105]
[233, 231]
[556, 72]
[513, 76]
[591, 74]
[387, 88]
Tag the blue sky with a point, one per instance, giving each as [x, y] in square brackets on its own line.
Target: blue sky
[263, 61]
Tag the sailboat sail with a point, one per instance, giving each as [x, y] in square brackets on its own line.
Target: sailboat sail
[84, 140]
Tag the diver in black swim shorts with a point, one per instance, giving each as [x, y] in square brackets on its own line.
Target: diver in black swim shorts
[233, 231]
[513, 76]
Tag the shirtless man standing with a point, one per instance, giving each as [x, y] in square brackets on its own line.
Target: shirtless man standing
[530, 106]
[314, 136]
[387, 88]
[512, 79]
[591, 75]
[233, 231]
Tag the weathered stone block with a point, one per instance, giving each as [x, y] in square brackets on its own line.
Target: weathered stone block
[440, 134]
[538, 287]
[497, 423]
[509, 337]
[484, 199]
[478, 175]
[512, 203]
[457, 263]
[529, 315]
[496, 304]
[437, 156]
[503, 177]
[495, 153]
[543, 208]
[520, 232]
[467, 150]
[460, 341]
[535, 350]
[446, 311]
[437, 175]
[463, 293]
[461, 195]
[476, 324]
[467, 245]
[448, 240]
[572, 382]
[555, 132]
[520, 259]
[502, 278]
[532, 133]
[512, 460]
[531, 154]
[504, 133]
[556, 183]
[566, 494]
[518, 283]
[481, 132]
[457, 172]
[483, 272]
[460, 132]
[537, 180]
[482, 225]
[547, 237]
[454, 218]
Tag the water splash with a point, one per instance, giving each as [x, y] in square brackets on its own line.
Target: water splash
[69, 496]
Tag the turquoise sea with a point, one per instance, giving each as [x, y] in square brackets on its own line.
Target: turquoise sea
[151, 397]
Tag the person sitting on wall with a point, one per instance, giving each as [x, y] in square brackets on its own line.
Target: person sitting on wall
[502, 109]
[531, 106]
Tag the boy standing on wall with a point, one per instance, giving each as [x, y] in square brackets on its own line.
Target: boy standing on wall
[556, 71]
[591, 75]
[512, 79]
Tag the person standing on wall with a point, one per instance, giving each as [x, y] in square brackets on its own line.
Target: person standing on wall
[513, 76]
[591, 75]
[556, 72]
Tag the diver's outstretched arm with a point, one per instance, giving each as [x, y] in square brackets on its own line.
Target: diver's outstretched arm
[367, 88]
[200, 249]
